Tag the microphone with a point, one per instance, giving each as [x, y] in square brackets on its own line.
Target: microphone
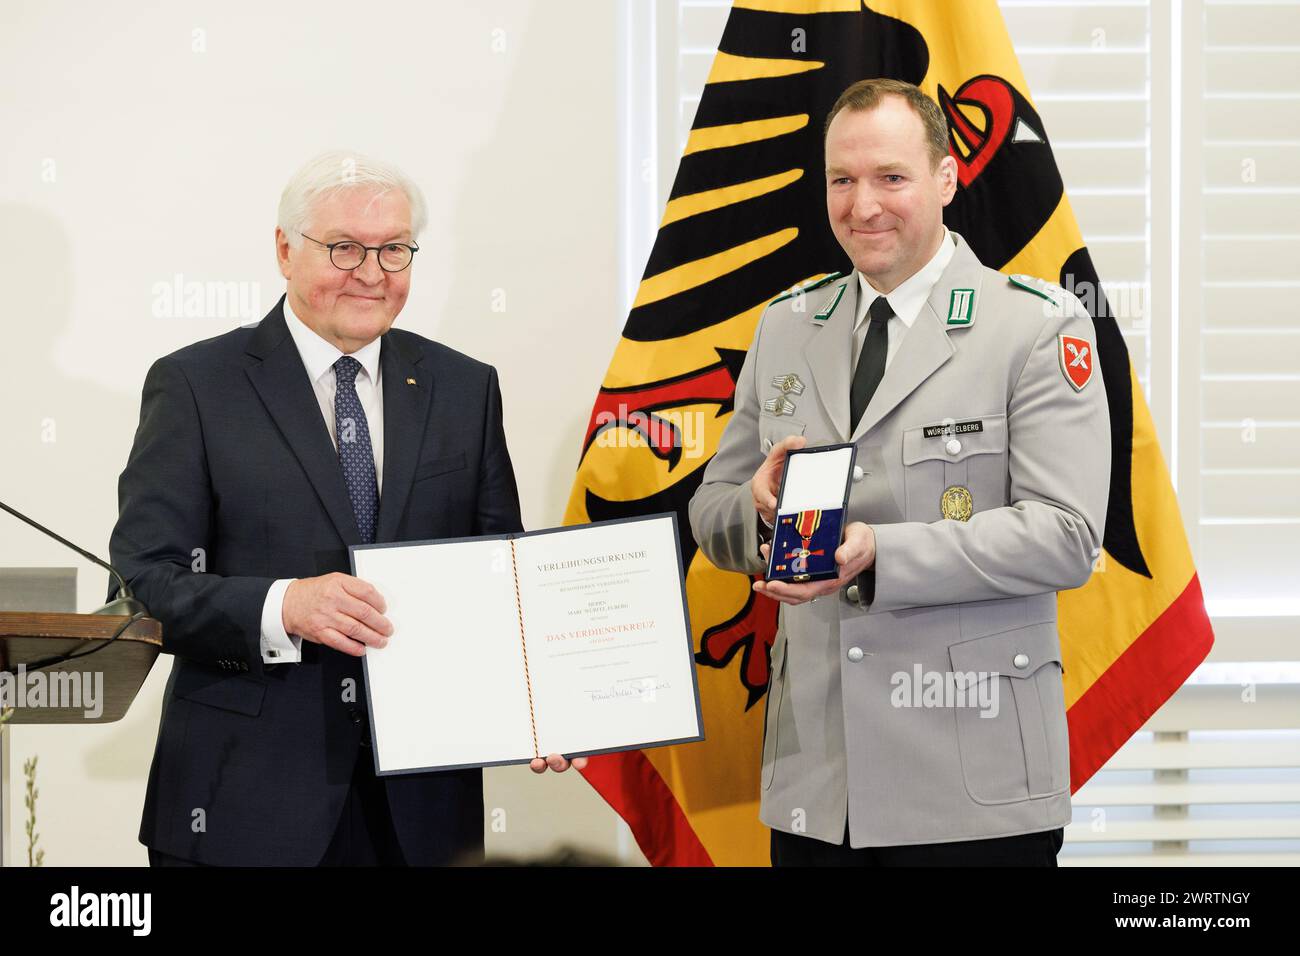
[125, 603]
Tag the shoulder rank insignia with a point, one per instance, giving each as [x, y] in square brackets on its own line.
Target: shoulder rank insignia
[808, 287]
[825, 312]
[1046, 290]
[1077, 360]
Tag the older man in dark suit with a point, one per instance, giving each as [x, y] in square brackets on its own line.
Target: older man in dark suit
[261, 455]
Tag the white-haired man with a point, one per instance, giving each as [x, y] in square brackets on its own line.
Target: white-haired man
[261, 455]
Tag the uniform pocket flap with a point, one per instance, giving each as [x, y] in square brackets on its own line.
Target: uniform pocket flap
[928, 443]
[1016, 653]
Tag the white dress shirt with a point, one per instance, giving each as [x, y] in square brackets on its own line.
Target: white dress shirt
[907, 300]
[318, 357]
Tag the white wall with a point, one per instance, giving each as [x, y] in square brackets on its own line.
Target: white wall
[152, 139]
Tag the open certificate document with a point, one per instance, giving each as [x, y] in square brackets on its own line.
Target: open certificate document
[572, 641]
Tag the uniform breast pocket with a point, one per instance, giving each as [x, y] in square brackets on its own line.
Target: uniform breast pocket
[1011, 728]
[955, 473]
[772, 428]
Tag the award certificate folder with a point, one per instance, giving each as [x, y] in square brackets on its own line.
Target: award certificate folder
[505, 648]
[810, 513]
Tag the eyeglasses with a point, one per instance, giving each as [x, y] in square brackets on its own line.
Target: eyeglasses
[348, 255]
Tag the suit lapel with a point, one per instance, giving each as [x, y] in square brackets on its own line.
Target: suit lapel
[927, 345]
[281, 380]
[830, 352]
[408, 393]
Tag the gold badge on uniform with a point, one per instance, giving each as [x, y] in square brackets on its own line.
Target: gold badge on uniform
[956, 503]
[787, 383]
[779, 406]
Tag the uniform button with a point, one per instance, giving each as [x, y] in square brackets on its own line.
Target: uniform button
[851, 592]
[953, 446]
[767, 444]
[355, 715]
[243, 665]
[1021, 661]
[855, 654]
[858, 472]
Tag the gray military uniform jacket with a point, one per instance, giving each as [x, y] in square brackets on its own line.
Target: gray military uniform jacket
[931, 711]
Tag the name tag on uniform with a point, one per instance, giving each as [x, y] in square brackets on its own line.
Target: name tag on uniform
[810, 513]
[956, 428]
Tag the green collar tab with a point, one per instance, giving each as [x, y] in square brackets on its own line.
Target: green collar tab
[961, 305]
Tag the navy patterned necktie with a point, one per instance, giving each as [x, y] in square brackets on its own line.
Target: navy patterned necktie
[871, 363]
[356, 456]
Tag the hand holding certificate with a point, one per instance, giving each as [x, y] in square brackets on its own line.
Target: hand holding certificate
[567, 641]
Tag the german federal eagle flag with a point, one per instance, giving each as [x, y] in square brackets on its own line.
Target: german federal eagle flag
[747, 220]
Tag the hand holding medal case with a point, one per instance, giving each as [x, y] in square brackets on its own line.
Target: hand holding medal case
[810, 513]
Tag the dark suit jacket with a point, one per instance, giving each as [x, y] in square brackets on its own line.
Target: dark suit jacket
[232, 482]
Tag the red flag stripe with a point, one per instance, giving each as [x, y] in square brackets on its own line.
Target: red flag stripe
[1119, 702]
[632, 786]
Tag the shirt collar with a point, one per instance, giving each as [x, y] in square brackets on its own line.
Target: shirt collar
[910, 297]
[319, 355]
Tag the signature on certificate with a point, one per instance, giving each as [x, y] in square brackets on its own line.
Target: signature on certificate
[644, 688]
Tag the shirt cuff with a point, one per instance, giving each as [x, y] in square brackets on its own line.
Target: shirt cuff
[277, 646]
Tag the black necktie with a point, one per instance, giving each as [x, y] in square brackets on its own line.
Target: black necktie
[871, 363]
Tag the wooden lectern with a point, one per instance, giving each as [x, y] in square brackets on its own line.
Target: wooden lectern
[26, 638]
[88, 641]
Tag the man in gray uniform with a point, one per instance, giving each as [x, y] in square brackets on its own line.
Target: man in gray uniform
[916, 714]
